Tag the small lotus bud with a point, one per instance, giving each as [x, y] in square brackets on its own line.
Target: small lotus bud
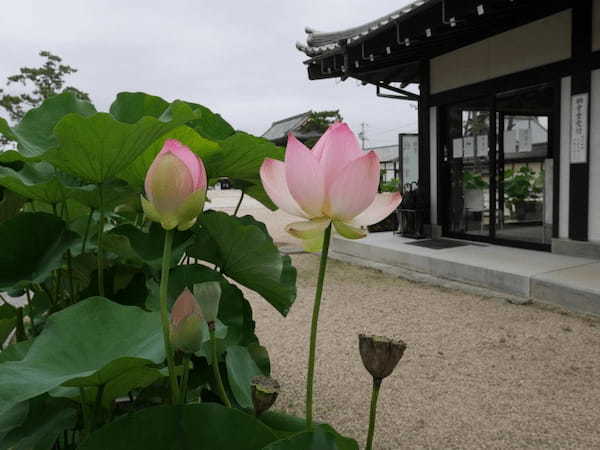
[208, 295]
[175, 187]
[264, 393]
[380, 355]
[186, 323]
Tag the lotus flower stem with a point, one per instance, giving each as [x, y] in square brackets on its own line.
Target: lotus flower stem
[164, 312]
[313, 329]
[373, 413]
[237, 208]
[215, 364]
[97, 406]
[100, 249]
[185, 378]
[84, 412]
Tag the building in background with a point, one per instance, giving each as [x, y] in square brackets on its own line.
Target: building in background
[278, 132]
[509, 112]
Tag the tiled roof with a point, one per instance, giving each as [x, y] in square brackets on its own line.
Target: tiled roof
[281, 128]
[322, 42]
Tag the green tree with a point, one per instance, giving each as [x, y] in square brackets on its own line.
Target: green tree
[39, 84]
[318, 122]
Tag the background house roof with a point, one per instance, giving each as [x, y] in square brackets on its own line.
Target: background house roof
[279, 130]
[386, 153]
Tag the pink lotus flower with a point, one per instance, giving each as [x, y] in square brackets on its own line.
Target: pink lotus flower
[335, 183]
[175, 187]
[186, 323]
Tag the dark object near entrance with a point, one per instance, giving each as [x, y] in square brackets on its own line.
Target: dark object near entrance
[439, 244]
[390, 223]
[411, 213]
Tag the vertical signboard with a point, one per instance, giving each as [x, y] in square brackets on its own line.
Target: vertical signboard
[579, 128]
[409, 158]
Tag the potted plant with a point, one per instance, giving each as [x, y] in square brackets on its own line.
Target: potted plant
[522, 189]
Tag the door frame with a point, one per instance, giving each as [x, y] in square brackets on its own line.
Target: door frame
[495, 137]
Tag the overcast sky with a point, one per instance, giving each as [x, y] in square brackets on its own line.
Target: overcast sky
[236, 57]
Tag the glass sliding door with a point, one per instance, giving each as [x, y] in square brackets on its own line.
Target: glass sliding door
[466, 152]
[525, 166]
[497, 168]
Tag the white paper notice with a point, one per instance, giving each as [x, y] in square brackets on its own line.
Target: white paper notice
[579, 128]
[510, 141]
[482, 145]
[457, 148]
[525, 144]
[469, 147]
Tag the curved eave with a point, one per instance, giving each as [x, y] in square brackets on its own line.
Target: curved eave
[319, 43]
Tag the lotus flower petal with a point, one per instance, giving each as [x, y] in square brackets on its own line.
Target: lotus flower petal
[349, 231]
[309, 229]
[272, 175]
[336, 148]
[191, 161]
[304, 177]
[383, 205]
[354, 189]
[184, 306]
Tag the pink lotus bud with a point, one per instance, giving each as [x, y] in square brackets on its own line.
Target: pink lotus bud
[335, 182]
[186, 323]
[175, 187]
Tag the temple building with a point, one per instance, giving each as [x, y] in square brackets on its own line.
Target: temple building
[509, 112]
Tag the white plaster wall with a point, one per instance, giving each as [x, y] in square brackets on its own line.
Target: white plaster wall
[594, 161]
[536, 44]
[565, 156]
[433, 163]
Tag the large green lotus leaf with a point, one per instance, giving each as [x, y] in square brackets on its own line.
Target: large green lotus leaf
[138, 377]
[135, 173]
[34, 132]
[36, 181]
[318, 439]
[93, 341]
[241, 368]
[132, 243]
[234, 310]
[8, 320]
[255, 190]
[13, 418]
[244, 251]
[210, 125]
[285, 425]
[32, 247]
[45, 421]
[98, 147]
[15, 352]
[130, 107]
[114, 193]
[206, 426]
[10, 204]
[241, 156]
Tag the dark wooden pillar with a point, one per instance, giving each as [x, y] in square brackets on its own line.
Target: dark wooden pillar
[581, 84]
[424, 149]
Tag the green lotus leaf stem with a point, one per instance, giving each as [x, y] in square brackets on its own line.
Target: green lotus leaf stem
[185, 378]
[97, 406]
[215, 364]
[237, 208]
[313, 328]
[87, 230]
[373, 412]
[164, 312]
[100, 249]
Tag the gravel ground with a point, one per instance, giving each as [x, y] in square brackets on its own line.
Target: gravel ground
[478, 373]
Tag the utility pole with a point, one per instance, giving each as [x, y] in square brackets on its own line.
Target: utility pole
[363, 134]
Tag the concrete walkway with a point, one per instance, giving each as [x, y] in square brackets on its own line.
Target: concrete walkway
[572, 283]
